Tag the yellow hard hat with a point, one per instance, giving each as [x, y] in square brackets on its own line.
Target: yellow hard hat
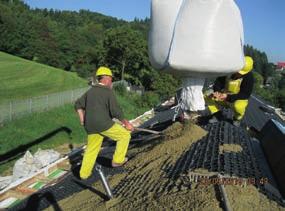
[247, 66]
[104, 71]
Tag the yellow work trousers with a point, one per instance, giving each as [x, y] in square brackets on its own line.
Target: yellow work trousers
[238, 106]
[94, 142]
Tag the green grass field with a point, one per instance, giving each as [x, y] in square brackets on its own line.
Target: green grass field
[27, 130]
[20, 79]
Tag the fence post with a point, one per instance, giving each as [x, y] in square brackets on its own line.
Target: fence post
[10, 113]
[59, 101]
[30, 105]
[72, 95]
[30, 102]
[47, 102]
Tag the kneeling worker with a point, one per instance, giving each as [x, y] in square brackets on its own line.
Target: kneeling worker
[233, 92]
[96, 109]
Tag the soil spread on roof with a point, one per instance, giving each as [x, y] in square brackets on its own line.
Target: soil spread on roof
[151, 181]
[228, 148]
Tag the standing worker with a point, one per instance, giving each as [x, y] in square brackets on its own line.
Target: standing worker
[234, 92]
[96, 109]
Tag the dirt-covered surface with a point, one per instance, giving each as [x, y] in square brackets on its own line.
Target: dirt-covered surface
[151, 181]
[249, 198]
[228, 148]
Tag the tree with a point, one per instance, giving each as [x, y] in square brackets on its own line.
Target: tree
[164, 84]
[266, 71]
[8, 30]
[261, 64]
[281, 84]
[258, 81]
[281, 99]
[125, 52]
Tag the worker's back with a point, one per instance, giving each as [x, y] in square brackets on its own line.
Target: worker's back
[100, 107]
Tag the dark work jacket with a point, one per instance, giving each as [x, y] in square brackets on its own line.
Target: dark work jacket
[100, 106]
[246, 87]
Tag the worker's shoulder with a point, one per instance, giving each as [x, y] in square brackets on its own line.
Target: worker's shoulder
[100, 88]
[249, 75]
[222, 78]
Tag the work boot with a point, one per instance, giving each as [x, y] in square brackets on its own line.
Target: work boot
[115, 165]
[236, 123]
[213, 120]
[85, 181]
[204, 112]
[216, 117]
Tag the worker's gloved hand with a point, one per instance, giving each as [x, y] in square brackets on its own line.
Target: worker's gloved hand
[219, 96]
[215, 95]
[223, 96]
[128, 125]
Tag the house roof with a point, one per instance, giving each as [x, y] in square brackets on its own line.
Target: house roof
[281, 65]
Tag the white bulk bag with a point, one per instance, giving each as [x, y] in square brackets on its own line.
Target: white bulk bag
[163, 18]
[192, 98]
[196, 38]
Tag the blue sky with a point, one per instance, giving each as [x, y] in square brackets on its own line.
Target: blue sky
[264, 20]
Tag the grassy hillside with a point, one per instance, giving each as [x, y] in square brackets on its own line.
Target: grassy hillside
[20, 78]
[30, 132]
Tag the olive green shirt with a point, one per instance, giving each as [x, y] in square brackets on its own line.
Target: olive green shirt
[100, 106]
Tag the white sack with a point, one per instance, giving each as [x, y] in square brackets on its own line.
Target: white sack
[30, 164]
[5, 181]
[196, 37]
[25, 166]
[45, 157]
[192, 98]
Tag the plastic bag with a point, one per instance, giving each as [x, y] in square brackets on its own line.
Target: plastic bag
[5, 181]
[30, 164]
[25, 166]
[45, 157]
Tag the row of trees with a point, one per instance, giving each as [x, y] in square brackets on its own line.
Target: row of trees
[269, 83]
[82, 41]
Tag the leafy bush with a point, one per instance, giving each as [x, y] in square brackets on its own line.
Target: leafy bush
[149, 99]
[165, 85]
[120, 88]
[281, 98]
